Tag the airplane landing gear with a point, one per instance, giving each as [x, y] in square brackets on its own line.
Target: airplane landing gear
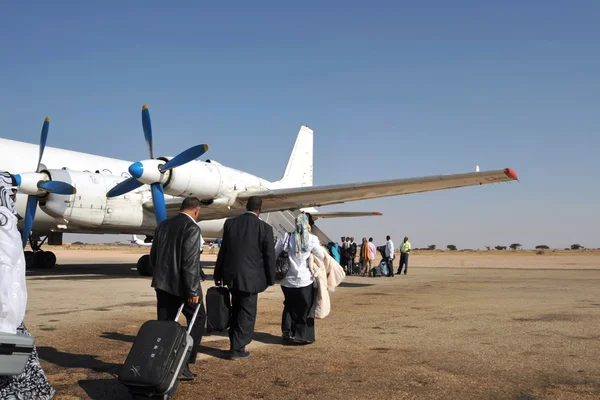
[143, 266]
[38, 258]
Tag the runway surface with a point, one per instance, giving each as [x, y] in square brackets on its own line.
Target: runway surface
[462, 326]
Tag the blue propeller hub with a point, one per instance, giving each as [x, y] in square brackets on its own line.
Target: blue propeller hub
[154, 178]
[136, 170]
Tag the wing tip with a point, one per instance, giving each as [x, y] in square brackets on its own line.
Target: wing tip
[511, 174]
[377, 213]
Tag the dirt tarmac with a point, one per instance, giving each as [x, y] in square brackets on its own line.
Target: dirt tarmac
[458, 326]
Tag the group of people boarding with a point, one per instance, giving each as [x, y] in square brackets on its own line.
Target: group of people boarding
[246, 265]
[346, 253]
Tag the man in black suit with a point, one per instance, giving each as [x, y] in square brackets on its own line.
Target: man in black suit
[175, 259]
[246, 265]
[353, 249]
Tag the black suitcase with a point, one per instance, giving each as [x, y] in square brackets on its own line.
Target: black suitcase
[157, 357]
[218, 309]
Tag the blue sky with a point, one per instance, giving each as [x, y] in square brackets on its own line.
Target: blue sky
[391, 89]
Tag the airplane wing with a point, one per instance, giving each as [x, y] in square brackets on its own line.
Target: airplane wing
[315, 196]
[344, 214]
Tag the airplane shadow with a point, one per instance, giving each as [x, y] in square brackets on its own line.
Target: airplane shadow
[78, 272]
[90, 271]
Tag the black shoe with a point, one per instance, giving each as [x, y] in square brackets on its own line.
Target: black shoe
[238, 355]
[286, 337]
[300, 342]
[187, 374]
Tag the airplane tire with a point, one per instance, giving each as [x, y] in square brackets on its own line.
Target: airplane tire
[44, 259]
[143, 266]
[29, 259]
[49, 259]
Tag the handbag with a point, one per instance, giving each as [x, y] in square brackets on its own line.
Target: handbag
[282, 264]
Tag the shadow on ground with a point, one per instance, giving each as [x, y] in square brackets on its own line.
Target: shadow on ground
[69, 360]
[77, 272]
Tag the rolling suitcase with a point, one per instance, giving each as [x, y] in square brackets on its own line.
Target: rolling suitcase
[218, 308]
[157, 357]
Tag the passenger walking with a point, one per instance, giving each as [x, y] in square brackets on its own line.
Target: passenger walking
[296, 324]
[246, 265]
[404, 250]
[372, 254]
[364, 256]
[31, 383]
[389, 256]
[175, 259]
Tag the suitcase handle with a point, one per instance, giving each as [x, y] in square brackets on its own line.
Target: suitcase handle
[193, 316]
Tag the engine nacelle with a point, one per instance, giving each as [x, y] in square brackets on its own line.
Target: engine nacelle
[196, 178]
[90, 207]
[28, 181]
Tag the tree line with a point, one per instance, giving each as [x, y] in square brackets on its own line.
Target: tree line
[514, 246]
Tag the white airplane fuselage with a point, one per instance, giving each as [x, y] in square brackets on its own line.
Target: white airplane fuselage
[90, 211]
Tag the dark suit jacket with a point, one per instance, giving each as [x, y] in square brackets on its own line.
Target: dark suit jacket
[246, 260]
[175, 257]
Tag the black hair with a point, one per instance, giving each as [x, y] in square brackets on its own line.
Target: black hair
[254, 203]
[189, 203]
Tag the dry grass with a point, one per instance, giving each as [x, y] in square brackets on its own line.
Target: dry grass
[500, 330]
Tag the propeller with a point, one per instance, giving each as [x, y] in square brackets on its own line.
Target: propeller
[152, 172]
[37, 184]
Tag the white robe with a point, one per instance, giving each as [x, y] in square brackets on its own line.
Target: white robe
[13, 290]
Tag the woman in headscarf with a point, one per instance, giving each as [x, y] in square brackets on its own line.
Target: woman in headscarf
[297, 286]
[31, 384]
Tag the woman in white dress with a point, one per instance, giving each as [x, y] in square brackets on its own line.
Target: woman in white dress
[31, 384]
[297, 286]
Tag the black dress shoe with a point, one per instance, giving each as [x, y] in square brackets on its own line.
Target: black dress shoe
[187, 374]
[301, 342]
[237, 355]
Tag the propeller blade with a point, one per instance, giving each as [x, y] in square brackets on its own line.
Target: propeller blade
[158, 199]
[43, 139]
[184, 157]
[57, 187]
[147, 125]
[126, 186]
[32, 202]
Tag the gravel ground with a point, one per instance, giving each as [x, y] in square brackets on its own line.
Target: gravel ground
[490, 327]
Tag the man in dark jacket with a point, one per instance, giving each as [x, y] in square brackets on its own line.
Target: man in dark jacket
[175, 259]
[246, 265]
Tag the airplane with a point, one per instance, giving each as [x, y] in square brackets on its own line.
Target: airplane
[140, 242]
[84, 193]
